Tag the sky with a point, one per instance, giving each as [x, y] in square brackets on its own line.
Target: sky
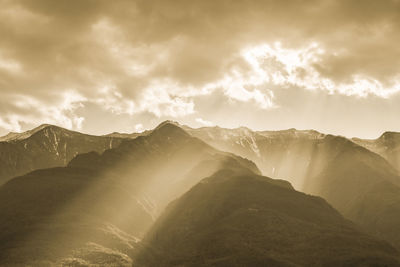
[105, 66]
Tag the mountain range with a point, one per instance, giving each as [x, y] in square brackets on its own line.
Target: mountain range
[44, 147]
[179, 196]
[362, 184]
[107, 199]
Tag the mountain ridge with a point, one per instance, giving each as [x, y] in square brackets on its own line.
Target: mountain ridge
[125, 187]
[347, 174]
[47, 146]
[229, 220]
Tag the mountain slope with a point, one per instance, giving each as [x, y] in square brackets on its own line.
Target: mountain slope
[364, 188]
[333, 167]
[44, 147]
[47, 214]
[387, 145]
[279, 154]
[250, 220]
[100, 204]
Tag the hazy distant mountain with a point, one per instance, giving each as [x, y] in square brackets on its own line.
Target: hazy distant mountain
[94, 209]
[44, 147]
[363, 186]
[387, 145]
[127, 135]
[250, 220]
[279, 154]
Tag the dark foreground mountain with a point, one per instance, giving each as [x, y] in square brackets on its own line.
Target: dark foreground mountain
[94, 210]
[44, 147]
[359, 183]
[250, 220]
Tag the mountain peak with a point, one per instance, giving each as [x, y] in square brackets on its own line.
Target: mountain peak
[168, 122]
[169, 128]
[389, 135]
[42, 127]
[13, 136]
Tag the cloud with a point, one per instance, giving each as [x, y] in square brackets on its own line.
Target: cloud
[157, 99]
[300, 67]
[26, 110]
[204, 122]
[139, 128]
[157, 57]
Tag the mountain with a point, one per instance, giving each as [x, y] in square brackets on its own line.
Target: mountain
[387, 145]
[362, 186]
[94, 210]
[279, 154]
[51, 215]
[127, 135]
[44, 147]
[160, 159]
[14, 136]
[276, 153]
[97, 207]
[251, 220]
[344, 173]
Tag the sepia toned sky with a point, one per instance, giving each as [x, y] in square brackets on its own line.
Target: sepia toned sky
[105, 66]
